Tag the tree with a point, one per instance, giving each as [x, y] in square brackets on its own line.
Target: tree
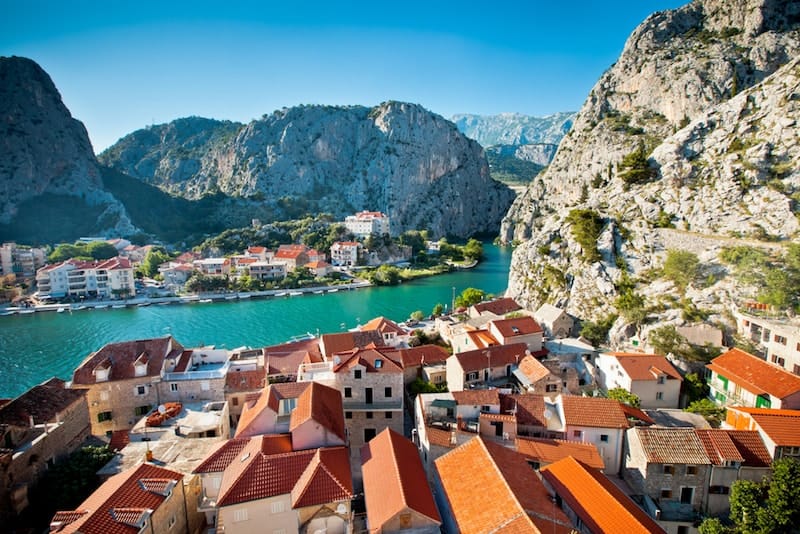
[666, 339]
[586, 228]
[681, 267]
[417, 315]
[438, 309]
[712, 525]
[469, 297]
[101, 250]
[695, 387]
[710, 411]
[632, 306]
[635, 167]
[386, 275]
[746, 497]
[624, 396]
[597, 333]
[782, 510]
[473, 250]
[154, 258]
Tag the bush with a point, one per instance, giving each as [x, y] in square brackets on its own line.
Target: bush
[586, 228]
[680, 267]
[635, 167]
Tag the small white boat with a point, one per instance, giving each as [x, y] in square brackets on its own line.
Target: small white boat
[27, 311]
[205, 301]
[280, 294]
[319, 292]
[143, 304]
[231, 297]
[81, 307]
[295, 293]
[62, 309]
[118, 306]
[334, 290]
[245, 296]
[9, 312]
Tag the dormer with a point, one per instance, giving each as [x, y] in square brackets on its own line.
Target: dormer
[378, 363]
[159, 486]
[102, 371]
[140, 365]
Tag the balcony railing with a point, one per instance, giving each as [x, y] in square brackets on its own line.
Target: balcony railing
[206, 503]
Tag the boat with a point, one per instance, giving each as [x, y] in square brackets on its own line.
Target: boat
[319, 292]
[334, 290]
[12, 312]
[231, 297]
[61, 309]
[205, 301]
[281, 294]
[27, 311]
[81, 307]
[118, 306]
[143, 304]
[295, 293]
[245, 296]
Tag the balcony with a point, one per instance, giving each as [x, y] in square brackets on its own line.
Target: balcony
[386, 405]
[210, 372]
[206, 503]
[311, 372]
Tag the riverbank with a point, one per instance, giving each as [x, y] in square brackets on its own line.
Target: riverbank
[201, 298]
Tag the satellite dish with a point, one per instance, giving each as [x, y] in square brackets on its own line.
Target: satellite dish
[162, 409]
[341, 509]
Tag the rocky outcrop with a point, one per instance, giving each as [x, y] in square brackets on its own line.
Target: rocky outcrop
[43, 150]
[396, 157]
[514, 128]
[709, 94]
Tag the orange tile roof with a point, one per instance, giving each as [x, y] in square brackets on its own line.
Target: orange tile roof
[498, 307]
[43, 403]
[781, 426]
[489, 488]
[754, 374]
[369, 359]
[219, 459]
[593, 412]
[118, 502]
[325, 479]
[394, 480]
[121, 356]
[497, 356]
[477, 397]
[742, 446]
[321, 404]
[317, 264]
[248, 380]
[481, 338]
[751, 447]
[598, 502]
[662, 445]
[383, 325]
[533, 369]
[344, 341]
[518, 326]
[646, 366]
[284, 359]
[548, 451]
[422, 355]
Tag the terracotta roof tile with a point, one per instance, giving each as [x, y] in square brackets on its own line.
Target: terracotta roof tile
[383, 325]
[754, 374]
[533, 369]
[119, 502]
[321, 404]
[43, 403]
[518, 326]
[218, 460]
[477, 397]
[663, 445]
[719, 446]
[646, 366]
[326, 479]
[249, 380]
[476, 360]
[751, 447]
[369, 359]
[268, 399]
[498, 307]
[121, 356]
[598, 502]
[421, 355]
[284, 359]
[481, 472]
[481, 338]
[593, 412]
[548, 451]
[331, 344]
[782, 426]
[394, 480]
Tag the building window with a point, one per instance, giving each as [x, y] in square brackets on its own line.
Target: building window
[780, 339]
[550, 388]
[666, 494]
[140, 390]
[103, 416]
[348, 392]
[796, 369]
[691, 469]
[173, 386]
[604, 438]
[277, 507]
[577, 433]
[438, 378]
[240, 515]
[357, 373]
[659, 395]
[388, 415]
[369, 433]
[719, 490]
[235, 401]
[141, 410]
[661, 379]
[387, 392]
[369, 415]
[472, 376]
[668, 469]
[348, 415]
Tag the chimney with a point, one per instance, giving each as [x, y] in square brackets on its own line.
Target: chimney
[460, 423]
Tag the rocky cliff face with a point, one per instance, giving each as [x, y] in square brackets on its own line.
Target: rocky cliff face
[514, 128]
[397, 158]
[709, 94]
[43, 150]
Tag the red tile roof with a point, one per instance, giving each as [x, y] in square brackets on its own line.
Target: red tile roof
[121, 356]
[394, 480]
[742, 446]
[477, 397]
[593, 412]
[781, 426]
[42, 403]
[118, 503]
[255, 475]
[662, 445]
[284, 359]
[646, 366]
[218, 460]
[368, 358]
[489, 488]
[598, 502]
[754, 374]
[268, 399]
[418, 356]
[497, 356]
[518, 326]
[323, 405]
[548, 451]
[751, 447]
[241, 381]
[533, 369]
[498, 307]
[383, 325]
[343, 341]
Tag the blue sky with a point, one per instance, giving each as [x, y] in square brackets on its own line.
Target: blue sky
[121, 65]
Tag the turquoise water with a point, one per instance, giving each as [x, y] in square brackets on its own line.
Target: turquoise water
[35, 347]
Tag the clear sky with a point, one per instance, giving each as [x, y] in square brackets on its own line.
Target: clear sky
[121, 65]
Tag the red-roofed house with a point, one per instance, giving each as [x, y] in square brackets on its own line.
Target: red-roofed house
[471, 338]
[497, 307]
[293, 256]
[541, 452]
[518, 330]
[146, 498]
[320, 268]
[593, 502]
[396, 489]
[741, 379]
[535, 377]
[467, 369]
[650, 377]
[425, 361]
[780, 429]
[484, 487]
[390, 331]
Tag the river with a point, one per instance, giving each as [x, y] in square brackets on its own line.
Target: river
[37, 346]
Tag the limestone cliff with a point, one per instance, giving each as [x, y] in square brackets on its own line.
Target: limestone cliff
[43, 150]
[709, 94]
[396, 157]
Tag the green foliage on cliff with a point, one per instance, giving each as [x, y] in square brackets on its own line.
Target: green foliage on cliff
[586, 228]
[635, 167]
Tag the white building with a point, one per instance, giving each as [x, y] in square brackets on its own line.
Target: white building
[778, 339]
[344, 253]
[648, 376]
[113, 277]
[365, 223]
[21, 261]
